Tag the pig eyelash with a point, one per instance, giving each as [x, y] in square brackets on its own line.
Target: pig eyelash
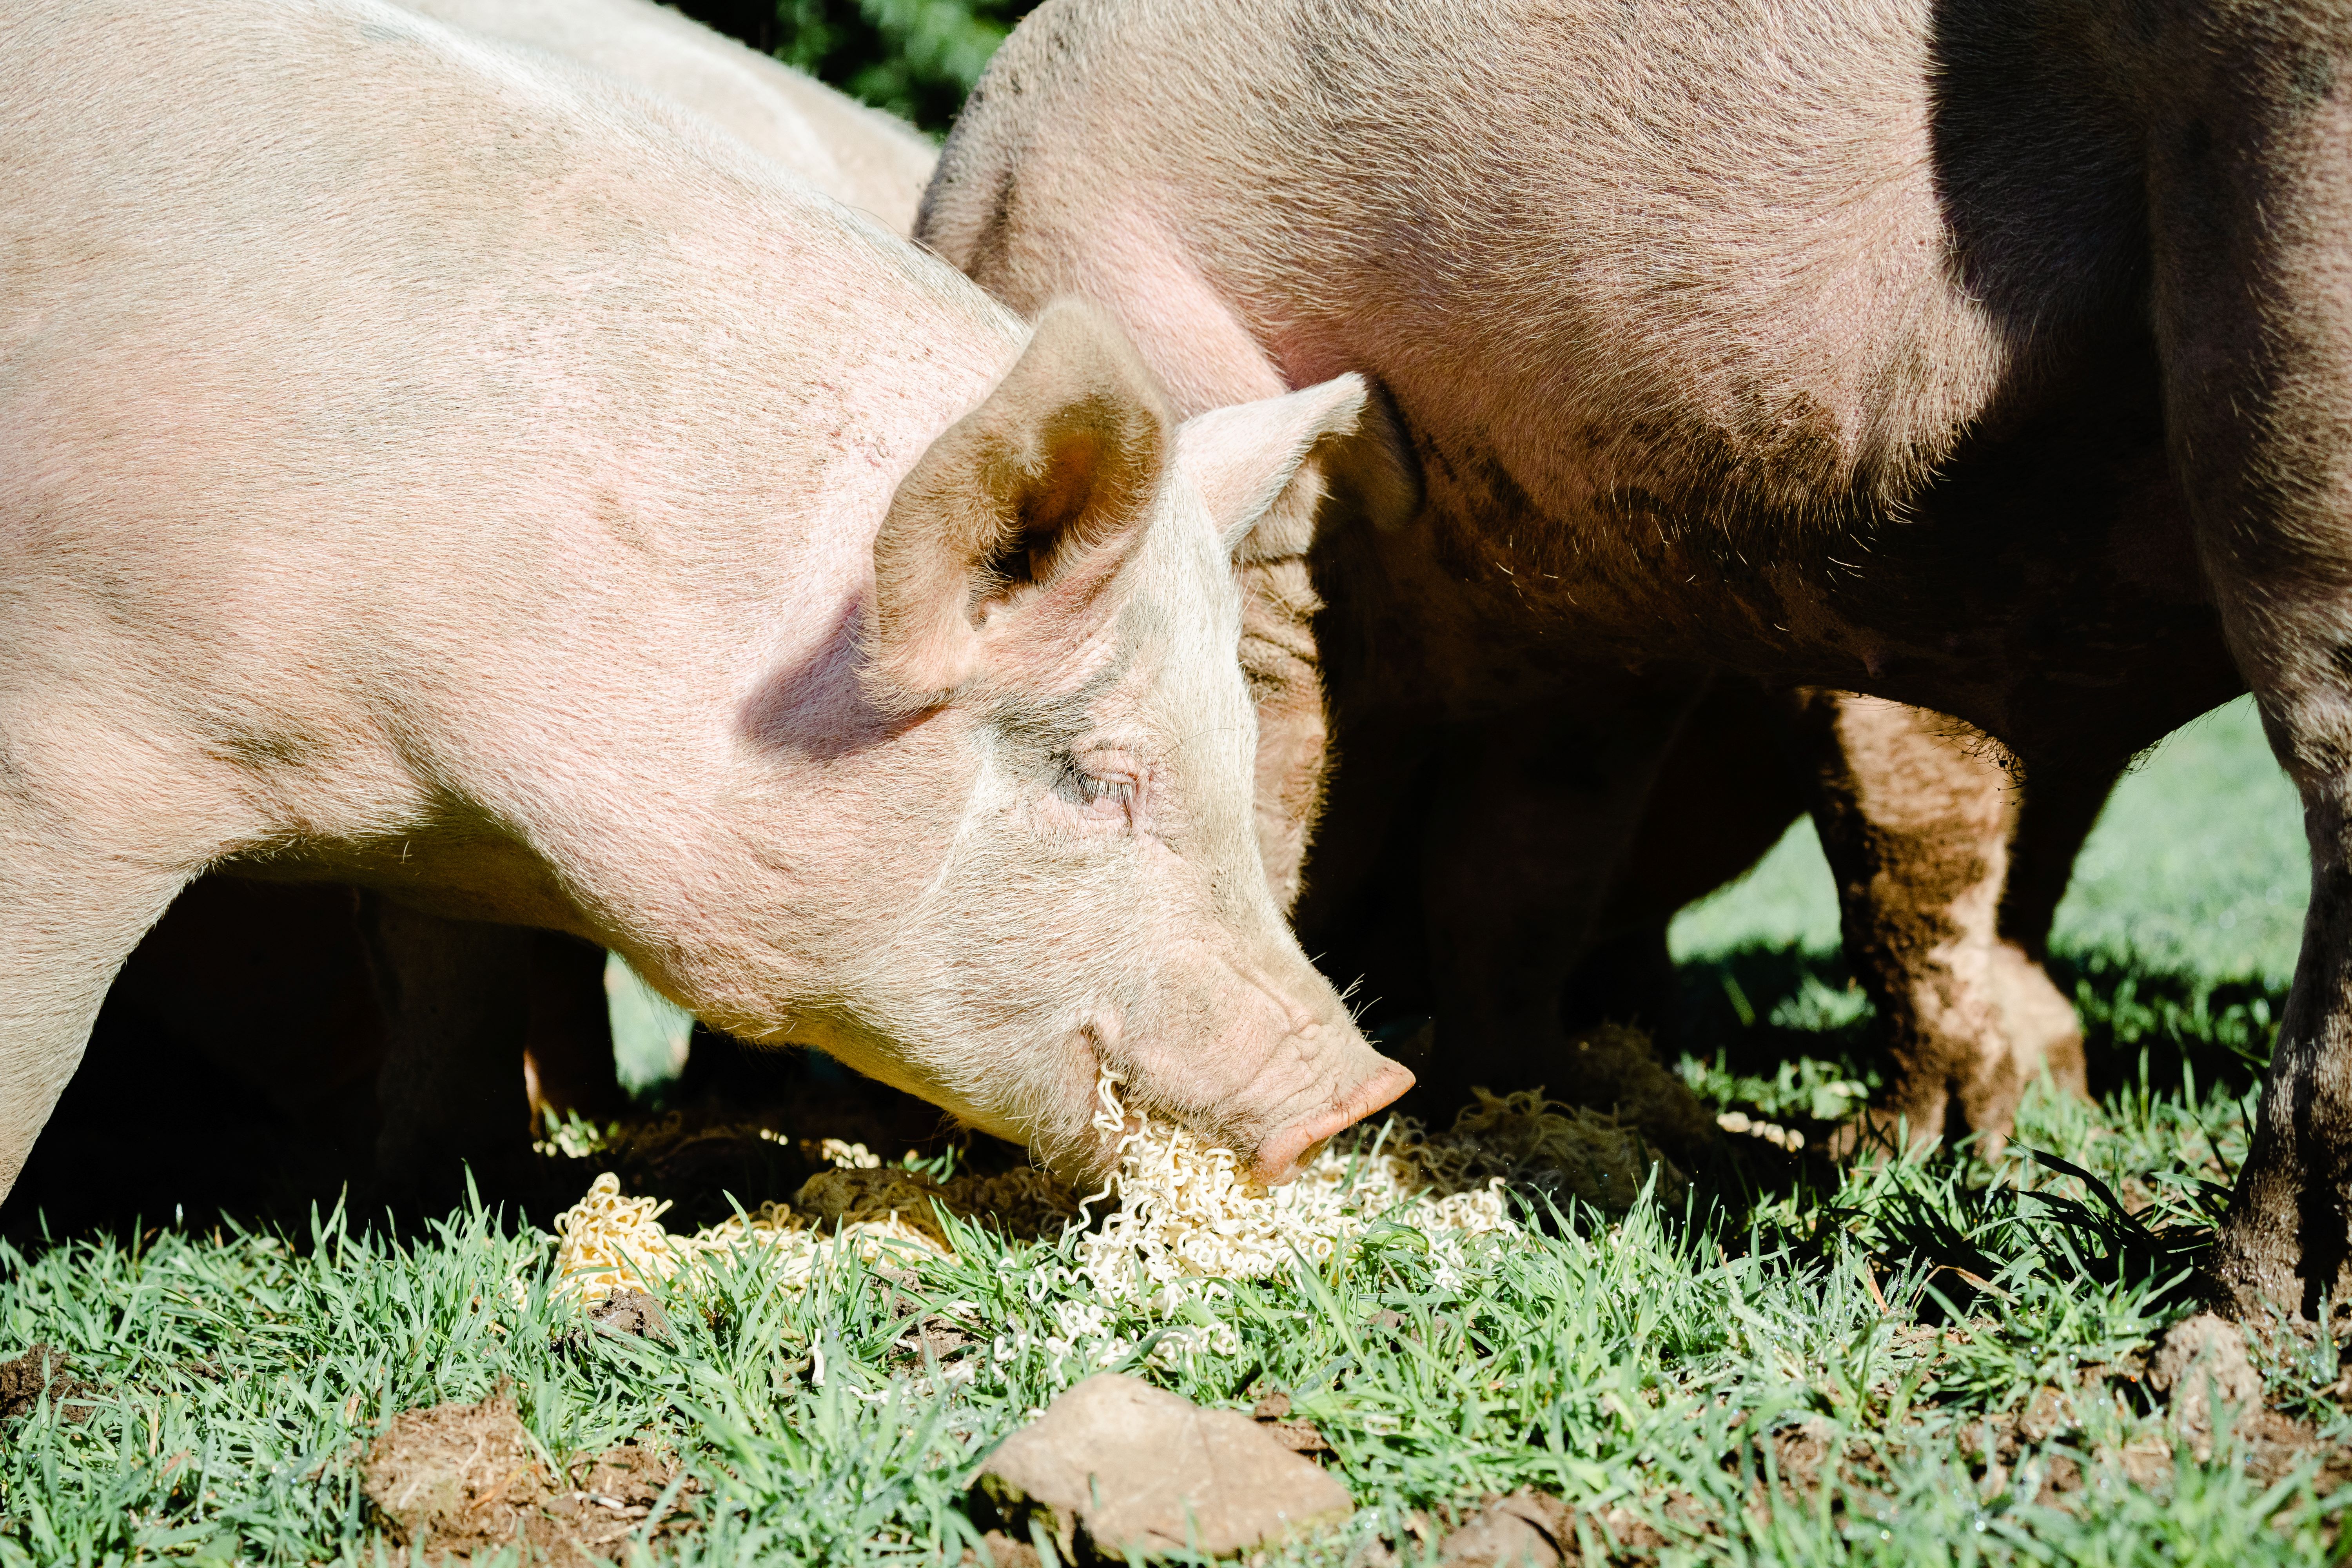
[1093, 793]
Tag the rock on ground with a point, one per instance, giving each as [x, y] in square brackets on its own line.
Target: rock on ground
[1116, 1466]
[1525, 1530]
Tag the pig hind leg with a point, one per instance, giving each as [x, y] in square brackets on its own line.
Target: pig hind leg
[1914, 818]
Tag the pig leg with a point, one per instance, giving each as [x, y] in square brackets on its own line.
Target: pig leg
[70, 912]
[568, 1051]
[1723, 796]
[1526, 836]
[2061, 803]
[2250, 205]
[1915, 823]
[457, 1005]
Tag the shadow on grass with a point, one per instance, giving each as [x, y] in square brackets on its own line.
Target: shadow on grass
[1755, 1007]
[1781, 1034]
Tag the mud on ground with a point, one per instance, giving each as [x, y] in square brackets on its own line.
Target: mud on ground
[461, 1480]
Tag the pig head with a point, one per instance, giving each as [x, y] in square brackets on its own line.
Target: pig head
[1074, 886]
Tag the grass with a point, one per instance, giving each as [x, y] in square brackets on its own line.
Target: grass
[1919, 1361]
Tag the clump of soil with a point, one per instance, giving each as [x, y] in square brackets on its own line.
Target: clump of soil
[458, 1480]
[626, 1311]
[42, 1370]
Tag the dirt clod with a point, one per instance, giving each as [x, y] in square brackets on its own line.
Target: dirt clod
[458, 1480]
[1116, 1466]
[42, 1370]
[2201, 1364]
[628, 1311]
[1525, 1530]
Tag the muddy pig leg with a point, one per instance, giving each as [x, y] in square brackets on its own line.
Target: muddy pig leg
[457, 1005]
[1528, 830]
[1915, 820]
[2250, 209]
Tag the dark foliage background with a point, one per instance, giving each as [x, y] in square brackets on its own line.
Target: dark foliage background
[915, 57]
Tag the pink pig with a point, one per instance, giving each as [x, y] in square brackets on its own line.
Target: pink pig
[432, 467]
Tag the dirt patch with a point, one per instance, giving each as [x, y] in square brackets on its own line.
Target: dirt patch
[42, 1371]
[932, 1339]
[458, 1480]
[1272, 1414]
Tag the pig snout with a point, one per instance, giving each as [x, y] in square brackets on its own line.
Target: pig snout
[1323, 1081]
[1363, 1082]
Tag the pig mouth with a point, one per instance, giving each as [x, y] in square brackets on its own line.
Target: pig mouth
[1279, 1145]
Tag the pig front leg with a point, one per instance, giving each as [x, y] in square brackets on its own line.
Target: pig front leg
[1723, 796]
[1915, 817]
[1525, 840]
[70, 912]
[455, 996]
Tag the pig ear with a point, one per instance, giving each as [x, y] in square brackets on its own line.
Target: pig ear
[1243, 458]
[1035, 498]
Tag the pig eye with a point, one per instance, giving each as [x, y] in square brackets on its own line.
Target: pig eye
[1095, 792]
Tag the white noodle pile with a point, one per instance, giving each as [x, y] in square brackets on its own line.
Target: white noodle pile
[1186, 1210]
[606, 1242]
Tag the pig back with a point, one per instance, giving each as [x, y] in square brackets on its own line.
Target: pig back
[1664, 302]
[386, 409]
[857, 155]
